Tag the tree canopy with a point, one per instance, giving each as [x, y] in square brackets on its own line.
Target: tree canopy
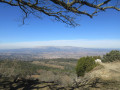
[112, 56]
[66, 11]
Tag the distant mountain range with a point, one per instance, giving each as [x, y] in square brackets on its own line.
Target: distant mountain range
[48, 52]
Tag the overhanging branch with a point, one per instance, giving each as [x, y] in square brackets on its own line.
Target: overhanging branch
[62, 10]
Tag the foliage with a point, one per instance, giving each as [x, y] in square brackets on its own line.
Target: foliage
[113, 55]
[15, 68]
[72, 60]
[85, 64]
[96, 57]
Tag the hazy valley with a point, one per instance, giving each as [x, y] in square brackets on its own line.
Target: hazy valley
[50, 52]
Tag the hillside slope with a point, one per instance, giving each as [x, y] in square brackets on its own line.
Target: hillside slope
[108, 71]
[106, 76]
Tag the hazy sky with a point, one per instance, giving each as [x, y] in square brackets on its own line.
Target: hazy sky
[103, 31]
[76, 43]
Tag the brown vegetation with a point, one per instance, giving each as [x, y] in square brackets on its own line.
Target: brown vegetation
[48, 65]
[103, 77]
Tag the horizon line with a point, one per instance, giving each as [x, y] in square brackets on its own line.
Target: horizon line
[85, 43]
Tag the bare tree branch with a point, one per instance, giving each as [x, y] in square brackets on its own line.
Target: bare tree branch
[64, 10]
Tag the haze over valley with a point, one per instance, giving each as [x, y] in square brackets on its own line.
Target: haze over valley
[50, 52]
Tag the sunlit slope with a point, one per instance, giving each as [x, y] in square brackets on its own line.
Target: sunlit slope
[107, 71]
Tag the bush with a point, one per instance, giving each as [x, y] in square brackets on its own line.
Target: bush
[96, 57]
[113, 55]
[85, 64]
[17, 68]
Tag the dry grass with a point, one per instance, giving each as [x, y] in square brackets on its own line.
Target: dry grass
[107, 71]
[105, 76]
[68, 63]
[48, 65]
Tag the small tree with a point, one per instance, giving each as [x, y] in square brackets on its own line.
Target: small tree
[85, 64]
[96, 57]
[113, 55]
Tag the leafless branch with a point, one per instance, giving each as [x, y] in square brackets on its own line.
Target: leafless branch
[63, 10]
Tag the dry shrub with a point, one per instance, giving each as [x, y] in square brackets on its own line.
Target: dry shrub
[66, 80]
[47, 76]
[57, 77]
